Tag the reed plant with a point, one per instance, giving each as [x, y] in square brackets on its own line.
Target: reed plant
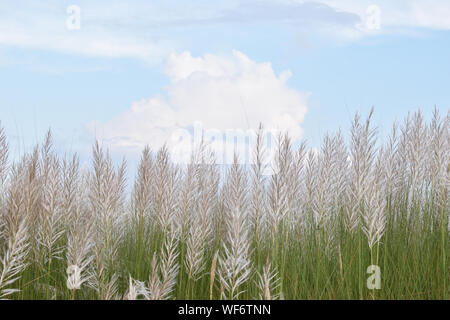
[310, 230]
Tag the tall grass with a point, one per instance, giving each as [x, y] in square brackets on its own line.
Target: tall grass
[308, 231]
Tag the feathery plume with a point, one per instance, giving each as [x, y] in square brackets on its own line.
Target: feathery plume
[234, 263]
[268, 282]
[362, 153]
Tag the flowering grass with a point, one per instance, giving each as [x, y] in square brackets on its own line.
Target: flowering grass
[309, 231]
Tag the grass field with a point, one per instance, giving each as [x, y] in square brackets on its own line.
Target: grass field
[311, 230]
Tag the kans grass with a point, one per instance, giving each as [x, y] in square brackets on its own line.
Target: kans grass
[309, 231]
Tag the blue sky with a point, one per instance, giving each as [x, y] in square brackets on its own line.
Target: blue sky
[136, 71]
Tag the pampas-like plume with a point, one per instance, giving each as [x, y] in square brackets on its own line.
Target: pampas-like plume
[106, 197]
[142, 196]
[166, 181]
[362, 153]
[3, 175]
[163, 277]
[374, 217]
[70, 188]
[234, 263]
[322, 196]
[339, 173]
[189, 194]
[51, 216]
[13, 260]
[110, 289]
[153, 290]
[3, 160]
[330, 188]
[295, 201]
[136, 288]
[258, 200]
[309, 187]
[195, 246]
[79, 236]
[201, 230]
[417, 157]
[19, 214]
[278, 189]
[235, 189]
[268, 283]
[390, 167]
[438, 161]
[169, 265]
[212, 275]
[14, 231]
[401, 189]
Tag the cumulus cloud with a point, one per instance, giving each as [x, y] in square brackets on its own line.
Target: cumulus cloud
[219, 92]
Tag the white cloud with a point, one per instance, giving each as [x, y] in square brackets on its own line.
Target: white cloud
[44, 26]
[221, 92]
[146, 30]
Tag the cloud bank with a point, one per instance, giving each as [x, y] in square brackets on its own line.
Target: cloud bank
[431, 14]
[45, 26]
[144, 30]
[219, 92]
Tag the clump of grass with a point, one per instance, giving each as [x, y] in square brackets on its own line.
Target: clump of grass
[308, 231]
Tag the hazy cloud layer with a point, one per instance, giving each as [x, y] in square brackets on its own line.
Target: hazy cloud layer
[43, 26]
[432, 14]
[307, 12]
[141, 29]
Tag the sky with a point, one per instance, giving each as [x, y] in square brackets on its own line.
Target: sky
[131, 73]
